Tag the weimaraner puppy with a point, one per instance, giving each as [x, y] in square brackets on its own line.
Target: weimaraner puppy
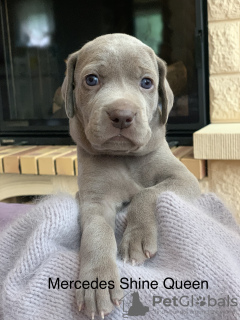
[113, 88]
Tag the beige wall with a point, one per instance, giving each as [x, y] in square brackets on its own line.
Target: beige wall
[224, 66]
[224, 60]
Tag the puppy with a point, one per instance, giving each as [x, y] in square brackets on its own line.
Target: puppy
[113, 88]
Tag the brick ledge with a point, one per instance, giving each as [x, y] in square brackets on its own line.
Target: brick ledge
[217, 142]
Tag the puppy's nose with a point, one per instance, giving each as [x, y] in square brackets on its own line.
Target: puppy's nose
[121, 118]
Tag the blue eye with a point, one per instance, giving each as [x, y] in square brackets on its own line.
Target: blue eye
[91, 80]
[146, 83]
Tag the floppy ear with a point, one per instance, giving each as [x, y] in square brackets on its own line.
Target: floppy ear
[68, 85]
[164, 90]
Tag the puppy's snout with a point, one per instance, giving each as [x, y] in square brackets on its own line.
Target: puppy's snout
[121, 118]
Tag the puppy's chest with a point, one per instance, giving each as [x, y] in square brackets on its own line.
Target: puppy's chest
[116, 178]
[143, 173]
[134, 182]
[145, 180]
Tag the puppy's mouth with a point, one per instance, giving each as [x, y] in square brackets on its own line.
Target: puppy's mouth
[117, 143]
[119, 137]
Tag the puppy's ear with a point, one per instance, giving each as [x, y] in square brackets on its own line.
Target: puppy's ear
[165, 92]
[68, 85]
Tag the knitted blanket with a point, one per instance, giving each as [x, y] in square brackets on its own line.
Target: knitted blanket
[195, 274]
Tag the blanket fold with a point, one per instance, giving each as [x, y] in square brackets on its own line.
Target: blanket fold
[195, 274]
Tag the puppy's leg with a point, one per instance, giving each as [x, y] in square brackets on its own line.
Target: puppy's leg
[98, 260]
[140, 237]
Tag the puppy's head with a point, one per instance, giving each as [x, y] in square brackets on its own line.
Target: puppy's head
[111, 92]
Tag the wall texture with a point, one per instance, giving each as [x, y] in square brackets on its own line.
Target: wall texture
[224, 65]
[224, 60]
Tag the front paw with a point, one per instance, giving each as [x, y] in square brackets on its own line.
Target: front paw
[139, 243]
[100, 289]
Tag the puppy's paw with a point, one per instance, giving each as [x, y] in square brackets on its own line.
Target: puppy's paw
[138, 244]
[100, 289]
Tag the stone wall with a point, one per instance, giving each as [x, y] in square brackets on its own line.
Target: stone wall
[224, 60]
[224, 66]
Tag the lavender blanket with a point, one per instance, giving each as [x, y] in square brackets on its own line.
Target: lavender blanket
[195, 274]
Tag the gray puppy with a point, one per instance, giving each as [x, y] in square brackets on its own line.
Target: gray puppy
[112, 90]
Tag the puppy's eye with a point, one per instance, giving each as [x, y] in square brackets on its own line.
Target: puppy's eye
[146, 83]
[91, 80]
